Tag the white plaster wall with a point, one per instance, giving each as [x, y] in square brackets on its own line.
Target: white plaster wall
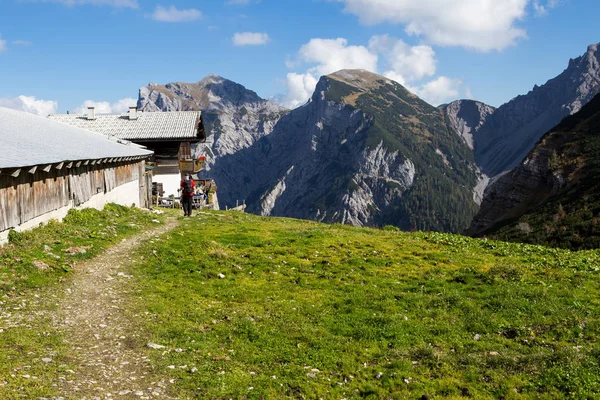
[170, 183]
[126, 195]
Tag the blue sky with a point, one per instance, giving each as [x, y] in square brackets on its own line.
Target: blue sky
[58, 55]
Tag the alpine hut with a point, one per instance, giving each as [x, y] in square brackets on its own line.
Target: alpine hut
[167, 134]
[47, 168]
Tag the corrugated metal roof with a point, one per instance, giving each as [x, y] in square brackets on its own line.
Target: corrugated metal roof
[28, 140]
[148, 125]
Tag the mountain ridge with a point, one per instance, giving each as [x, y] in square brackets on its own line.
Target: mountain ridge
[408, 138]
[363, 150]
[552, 197]
[509, 133]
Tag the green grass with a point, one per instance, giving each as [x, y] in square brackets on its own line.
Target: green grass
[89, 229]
[307, 310]
[29, 293]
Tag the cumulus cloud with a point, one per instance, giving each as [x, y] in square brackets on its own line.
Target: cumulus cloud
[331, 55]
[482, 25]
[250, 39]
[172, 14]
[104, 107]
[411, 62]
[299, 89]
[439, 90]
[112, 3]
[30, 104]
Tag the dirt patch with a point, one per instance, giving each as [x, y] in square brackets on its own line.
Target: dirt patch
[104, 335]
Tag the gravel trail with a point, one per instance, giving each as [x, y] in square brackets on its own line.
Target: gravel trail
[103, 332]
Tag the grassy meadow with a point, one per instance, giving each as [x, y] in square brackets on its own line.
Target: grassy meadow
[255, 308]
[269, 308]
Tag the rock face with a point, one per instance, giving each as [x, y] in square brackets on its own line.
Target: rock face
[234, 117]
[552, 197]
[363, 151]
[509, 133]
[466, 117]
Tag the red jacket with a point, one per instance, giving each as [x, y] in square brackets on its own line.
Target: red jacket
[182, 185]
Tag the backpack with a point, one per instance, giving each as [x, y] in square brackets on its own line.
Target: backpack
[188, 187]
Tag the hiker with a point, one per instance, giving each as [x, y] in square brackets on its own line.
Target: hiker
[187, 195]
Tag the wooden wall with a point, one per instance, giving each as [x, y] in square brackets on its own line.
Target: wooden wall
[31, 195]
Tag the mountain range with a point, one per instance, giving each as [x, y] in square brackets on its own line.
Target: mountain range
[553, 196]
[366, 151]
[502, 137]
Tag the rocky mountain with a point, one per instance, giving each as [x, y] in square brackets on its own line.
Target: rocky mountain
[364, 151]
[234, 117]
[466, 117]
[501, 138]
[553, 196]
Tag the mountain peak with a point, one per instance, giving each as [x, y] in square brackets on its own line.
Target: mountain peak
[360, 78]
[213, 92]
[211, 79]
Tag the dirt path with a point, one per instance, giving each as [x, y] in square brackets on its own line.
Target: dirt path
[101, 330]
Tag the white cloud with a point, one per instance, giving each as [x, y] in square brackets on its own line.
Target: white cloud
[469, 94]
[331, 55]
[250, 39]
[112, 3]
[299, 89]
[30, 104]
[172, 14]
[440, 90]
[22, 42]
[412, 62]
[3, 47]
[482, 25]
[104, 107]
[238, 2]
[542, 9]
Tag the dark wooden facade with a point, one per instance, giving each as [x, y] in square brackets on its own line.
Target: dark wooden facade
[36, 192]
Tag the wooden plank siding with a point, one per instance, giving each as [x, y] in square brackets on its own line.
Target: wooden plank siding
[49, 192]
[9, 206]
[31, 195]
[81, 185]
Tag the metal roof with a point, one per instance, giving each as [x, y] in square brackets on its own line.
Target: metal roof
[28, 140]
[148, 125]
